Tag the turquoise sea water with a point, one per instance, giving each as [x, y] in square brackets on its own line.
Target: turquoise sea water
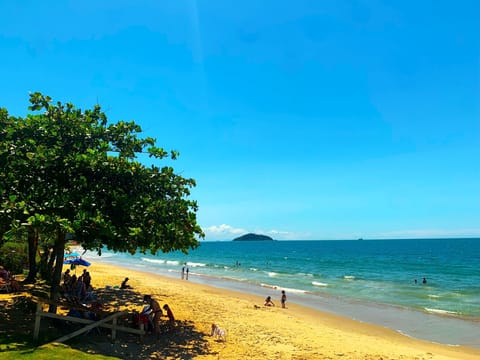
[369, 280]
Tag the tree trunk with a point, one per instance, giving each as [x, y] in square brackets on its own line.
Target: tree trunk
[32, 255]
[44, 256]
[59, 251]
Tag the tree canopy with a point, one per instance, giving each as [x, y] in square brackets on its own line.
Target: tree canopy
[67, 171]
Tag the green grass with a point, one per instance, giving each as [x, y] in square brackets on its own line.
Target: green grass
[16, 340]
[50, 352]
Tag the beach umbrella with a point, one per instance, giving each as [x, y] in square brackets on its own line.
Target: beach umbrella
[77, 261]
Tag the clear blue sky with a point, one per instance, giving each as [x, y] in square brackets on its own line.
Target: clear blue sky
[298, 119]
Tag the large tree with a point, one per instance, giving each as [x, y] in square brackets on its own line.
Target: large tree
[67, 171]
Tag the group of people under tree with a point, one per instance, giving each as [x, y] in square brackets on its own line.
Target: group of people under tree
[77, 289]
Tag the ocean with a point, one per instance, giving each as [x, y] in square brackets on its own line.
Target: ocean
[374, 281]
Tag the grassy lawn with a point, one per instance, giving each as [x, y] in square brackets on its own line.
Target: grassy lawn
[48, 352]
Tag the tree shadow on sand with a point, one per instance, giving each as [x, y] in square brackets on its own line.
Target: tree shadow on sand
[184, 341]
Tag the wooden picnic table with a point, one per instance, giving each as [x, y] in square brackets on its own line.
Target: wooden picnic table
[106, 317]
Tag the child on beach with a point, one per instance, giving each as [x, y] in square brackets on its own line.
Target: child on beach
[171, 318]
[268, 301]
[283, 299]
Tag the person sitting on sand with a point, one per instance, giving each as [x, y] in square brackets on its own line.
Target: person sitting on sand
[6, 275]
[124, 284]
[80, 290]
[268, 301]
[15, 285]
[9, 279]
[155, 312]
[72, 283]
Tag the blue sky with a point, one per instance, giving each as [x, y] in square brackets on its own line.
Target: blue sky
[298, 119]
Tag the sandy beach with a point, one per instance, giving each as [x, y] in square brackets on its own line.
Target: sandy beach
[253, 331]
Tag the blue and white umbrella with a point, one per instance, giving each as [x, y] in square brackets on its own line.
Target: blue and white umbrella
[77, 261]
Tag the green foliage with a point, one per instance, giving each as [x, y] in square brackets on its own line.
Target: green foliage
[64, 170]
[13, 256]
[70, 169]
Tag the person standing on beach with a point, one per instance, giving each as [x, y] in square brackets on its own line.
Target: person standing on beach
[186, 271]
[283, 299]
[67, 277]
[183, 271]
[87, 279]
[155, 311]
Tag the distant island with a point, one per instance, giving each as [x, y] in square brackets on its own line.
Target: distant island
[253, 237]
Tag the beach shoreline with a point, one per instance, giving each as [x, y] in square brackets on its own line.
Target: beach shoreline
[432, 327]
[254, 331]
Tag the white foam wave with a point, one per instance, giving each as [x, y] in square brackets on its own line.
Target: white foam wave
[440, 311]
[161, 261]
[318, 283]
[272, 274]
[192, 264]
[403, 333]
[290, 290]
[105, 255]
[305, 274]
[154, 261]
[253, 269]
[433, 296]
[349, 277]
[269, 286]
